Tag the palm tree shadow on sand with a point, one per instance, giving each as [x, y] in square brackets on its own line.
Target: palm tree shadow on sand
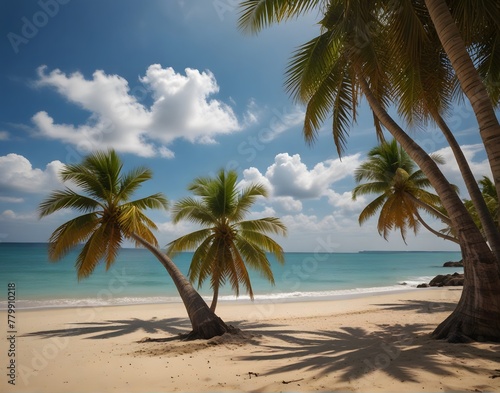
[176, 327]
[354, 352]
[350, 351]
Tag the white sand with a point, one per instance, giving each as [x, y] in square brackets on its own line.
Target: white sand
[374, 343]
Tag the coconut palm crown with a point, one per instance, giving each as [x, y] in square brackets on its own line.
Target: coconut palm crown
[402, 191]
[109, 215]
[227, 243]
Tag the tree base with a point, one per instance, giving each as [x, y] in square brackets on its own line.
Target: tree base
[209, 329]
[463, 328]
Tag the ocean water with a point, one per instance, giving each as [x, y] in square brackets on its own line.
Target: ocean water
[137, 277]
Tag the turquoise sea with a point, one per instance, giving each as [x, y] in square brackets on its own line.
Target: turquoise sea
[137, 277]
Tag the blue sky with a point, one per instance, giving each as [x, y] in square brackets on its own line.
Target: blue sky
[175, 86]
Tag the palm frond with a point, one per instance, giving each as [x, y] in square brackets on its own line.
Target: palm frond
[66, 199]
[131, 181]
[91, 254]
[155, 201]
[264, 225]
[71, 234]
[255, 15]
[192, 210]
[371, 209]
[189, 242]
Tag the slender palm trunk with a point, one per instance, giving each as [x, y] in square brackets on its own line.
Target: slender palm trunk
[433, 231]
[470, 82]
[490, 229]
[430, 209]
[204, 322]
[213, 306]
[477, 315]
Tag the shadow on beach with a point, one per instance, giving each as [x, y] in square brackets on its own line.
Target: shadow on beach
[351, 352]
[119, 327]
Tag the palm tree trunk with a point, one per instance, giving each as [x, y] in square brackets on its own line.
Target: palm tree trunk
[430, 209]
[433, 231]
[490, 229]
[477, 315]
[470, 82]
[215, 298]
[204, 322]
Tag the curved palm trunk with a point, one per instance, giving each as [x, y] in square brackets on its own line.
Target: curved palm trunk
[477, 315]
[204, 322]
[433, 231]
[490, 229]
[430, 209]
[470, 82]
[213, 306]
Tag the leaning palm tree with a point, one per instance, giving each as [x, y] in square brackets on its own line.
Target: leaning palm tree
[227, 243]
[427, 86]
[471, 28]
[400, 189]
[108, 218]
[329, 73]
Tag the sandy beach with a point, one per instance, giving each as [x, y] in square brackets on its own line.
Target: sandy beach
[374, 343]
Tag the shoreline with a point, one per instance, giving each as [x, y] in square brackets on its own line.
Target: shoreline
[242, 300]
[371, 343]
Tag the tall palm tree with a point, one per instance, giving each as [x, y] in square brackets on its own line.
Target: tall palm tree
[227, 243]
[401, 191]
[329, 73]
[109, 217]
[473, 19]
[428, 84]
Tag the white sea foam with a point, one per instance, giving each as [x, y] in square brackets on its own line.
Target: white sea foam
[272, 297]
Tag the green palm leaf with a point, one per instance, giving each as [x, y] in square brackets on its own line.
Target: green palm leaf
[227, 243]
[111, 217]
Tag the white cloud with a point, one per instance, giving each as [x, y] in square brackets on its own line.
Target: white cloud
[181, 108]
[289, 176]
[18, 175]
[479, 167]
[4, 136]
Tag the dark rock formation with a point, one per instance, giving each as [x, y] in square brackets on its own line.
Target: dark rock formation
[423, 285]
[446, 280]
[454, 264]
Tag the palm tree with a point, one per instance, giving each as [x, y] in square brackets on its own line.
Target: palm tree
[108, 218]
[490, 199]
[427, 85]
[351, 57]
[474, 19]
[401, 191]
[226, 244]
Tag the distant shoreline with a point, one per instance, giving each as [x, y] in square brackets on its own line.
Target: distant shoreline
[288, 252]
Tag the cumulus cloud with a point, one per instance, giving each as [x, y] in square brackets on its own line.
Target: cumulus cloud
[18, 175]
[480, 166]
[182, 108]
[288, 176]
